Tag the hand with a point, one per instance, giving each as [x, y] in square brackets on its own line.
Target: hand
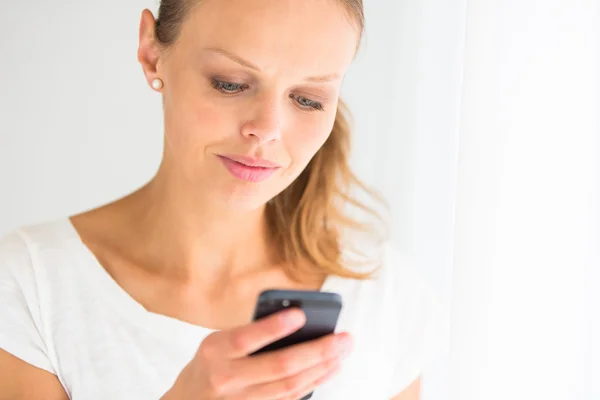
[223, 370]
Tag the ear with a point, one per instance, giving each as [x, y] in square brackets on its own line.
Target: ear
[149, 50]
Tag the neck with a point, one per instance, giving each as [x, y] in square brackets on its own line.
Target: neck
[188, 236]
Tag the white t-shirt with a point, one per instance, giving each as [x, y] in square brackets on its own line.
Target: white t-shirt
[62, 312]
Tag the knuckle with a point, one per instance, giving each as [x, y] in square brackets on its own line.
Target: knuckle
[285, 364]
[291, 385]
[331, 364]
[239, 342]
[219, 382]
[207, 347]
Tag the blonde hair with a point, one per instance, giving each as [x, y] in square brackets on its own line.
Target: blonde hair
[308, 220]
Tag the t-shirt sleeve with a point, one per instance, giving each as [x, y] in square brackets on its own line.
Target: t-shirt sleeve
[20, 316]
[421, 332]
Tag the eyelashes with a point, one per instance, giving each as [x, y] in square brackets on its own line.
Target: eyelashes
[230, 88]
[304, 102]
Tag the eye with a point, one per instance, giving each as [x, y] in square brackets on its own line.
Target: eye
[307, 103]
[228, 87]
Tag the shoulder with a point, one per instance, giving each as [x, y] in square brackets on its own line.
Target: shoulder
[410, 304]
[417, 318]
[396, 317]
[410, 288]
[15, 257]
[23, 251]
[25, 254]
[398, 294]
[396, 277]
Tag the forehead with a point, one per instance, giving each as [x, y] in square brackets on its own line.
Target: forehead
[318, 35]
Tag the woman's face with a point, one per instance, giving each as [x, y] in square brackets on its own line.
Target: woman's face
[251, 81]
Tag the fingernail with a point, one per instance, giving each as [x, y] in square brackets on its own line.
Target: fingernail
[293, 318]
[345, 345]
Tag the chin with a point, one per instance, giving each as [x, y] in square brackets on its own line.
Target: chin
[232, 194]
[242, 197]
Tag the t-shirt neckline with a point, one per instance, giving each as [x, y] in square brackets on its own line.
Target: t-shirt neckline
[122, 302]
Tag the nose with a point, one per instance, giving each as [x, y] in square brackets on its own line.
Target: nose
[266, 122]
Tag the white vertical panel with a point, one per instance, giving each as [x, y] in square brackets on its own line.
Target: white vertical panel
[527, 200]
[440, 69]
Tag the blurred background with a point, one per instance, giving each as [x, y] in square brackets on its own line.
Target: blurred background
[477, 119]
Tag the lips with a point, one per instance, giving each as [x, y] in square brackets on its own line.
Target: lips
[247, 169]
[251, 162]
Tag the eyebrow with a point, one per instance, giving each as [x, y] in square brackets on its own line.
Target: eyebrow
[248, 64]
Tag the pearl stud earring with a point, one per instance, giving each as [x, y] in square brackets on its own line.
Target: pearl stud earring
[157, 84]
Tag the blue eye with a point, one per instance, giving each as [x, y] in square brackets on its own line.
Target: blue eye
[233, 88]
[228, 87]
[307, 103]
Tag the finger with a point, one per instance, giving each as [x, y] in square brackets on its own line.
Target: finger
[245, 340]
[277, 365]
[314, 385]
[286, 387]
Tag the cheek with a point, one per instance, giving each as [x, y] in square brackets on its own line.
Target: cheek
[193, 120]
[305, 139]
[193, 123]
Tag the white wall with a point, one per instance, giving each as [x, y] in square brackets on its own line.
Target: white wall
[79, 126]
[405, 89]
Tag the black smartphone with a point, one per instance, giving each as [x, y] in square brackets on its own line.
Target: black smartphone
[322, 310]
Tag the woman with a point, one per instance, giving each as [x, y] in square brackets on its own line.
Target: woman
[151, 296]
